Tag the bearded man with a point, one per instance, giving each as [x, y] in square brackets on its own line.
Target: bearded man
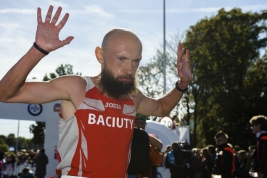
[98, 112]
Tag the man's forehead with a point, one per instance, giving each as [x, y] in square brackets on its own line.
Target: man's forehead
[127, 54]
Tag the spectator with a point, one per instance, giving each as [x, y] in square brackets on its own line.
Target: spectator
[259, 128]
[206, 164]
[251, 149]
[41, 161]
[211, 151]
[236, 150]
[224, 162]
[189, 163]
[1, 162]
[165, 153]
[4, 166]
[240, 169]
[10, 165]
[198, 157]
[155, 148]
[171, 162]
[26, 173]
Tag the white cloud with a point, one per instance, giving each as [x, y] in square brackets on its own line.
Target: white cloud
[12, 29]
[194, 10]
[17, 11]
[92, 10]
[215, 9]
[58, 3]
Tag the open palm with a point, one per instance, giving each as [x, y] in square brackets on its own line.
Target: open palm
[183, 66]
[47, 34]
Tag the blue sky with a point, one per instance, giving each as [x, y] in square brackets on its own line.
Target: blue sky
[88, 23]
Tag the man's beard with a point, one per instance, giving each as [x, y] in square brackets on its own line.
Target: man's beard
[115, 88]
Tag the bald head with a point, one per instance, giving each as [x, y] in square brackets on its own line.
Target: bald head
[119, 56]
[116, 36]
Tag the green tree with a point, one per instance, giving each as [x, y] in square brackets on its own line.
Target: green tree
[38, 130]
[225, 54]
[3, 137]
[61, 70]
[2, 141]
[11, 140]
[4, 147]
[24, 143]
[229, 75]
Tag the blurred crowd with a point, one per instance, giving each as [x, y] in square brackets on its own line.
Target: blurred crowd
[12, 164]
[204, 160]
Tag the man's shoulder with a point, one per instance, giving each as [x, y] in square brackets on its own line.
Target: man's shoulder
[263, 137]
[70, 81]
[228, 148]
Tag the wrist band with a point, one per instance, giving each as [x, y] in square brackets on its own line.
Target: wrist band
[179, 89]
[40, 49]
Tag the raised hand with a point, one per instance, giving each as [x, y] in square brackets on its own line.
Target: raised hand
[47, 34]
[183, 66]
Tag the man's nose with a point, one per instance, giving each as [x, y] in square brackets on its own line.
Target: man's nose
[128, 68]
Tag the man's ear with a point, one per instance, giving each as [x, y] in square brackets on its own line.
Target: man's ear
[99, 54]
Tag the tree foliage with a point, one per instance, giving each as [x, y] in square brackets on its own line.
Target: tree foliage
[38, 132]
[11, 140]
[4, 147]
[2, 138]
[24, 143]
[61, 70]
[229, 75]
[229, 84]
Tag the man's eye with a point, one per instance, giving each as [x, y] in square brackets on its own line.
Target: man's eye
[137, 60]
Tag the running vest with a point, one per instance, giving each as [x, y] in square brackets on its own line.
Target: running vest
[95, 141]
[227, 148]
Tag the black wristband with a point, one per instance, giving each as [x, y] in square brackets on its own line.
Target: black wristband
[40, 49]
[179, 89]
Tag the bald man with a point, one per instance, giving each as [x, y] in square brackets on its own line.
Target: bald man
[98, 113]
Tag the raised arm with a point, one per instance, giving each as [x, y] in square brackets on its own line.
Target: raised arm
[164, 105]
[13, 87]
[155, 142]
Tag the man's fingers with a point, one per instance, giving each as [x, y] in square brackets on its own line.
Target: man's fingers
[39, 16]
[187, 55]
[63, 21]
[56, 16]
[67, 40]
[180, 52]
[49, 13]
[180, 47]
